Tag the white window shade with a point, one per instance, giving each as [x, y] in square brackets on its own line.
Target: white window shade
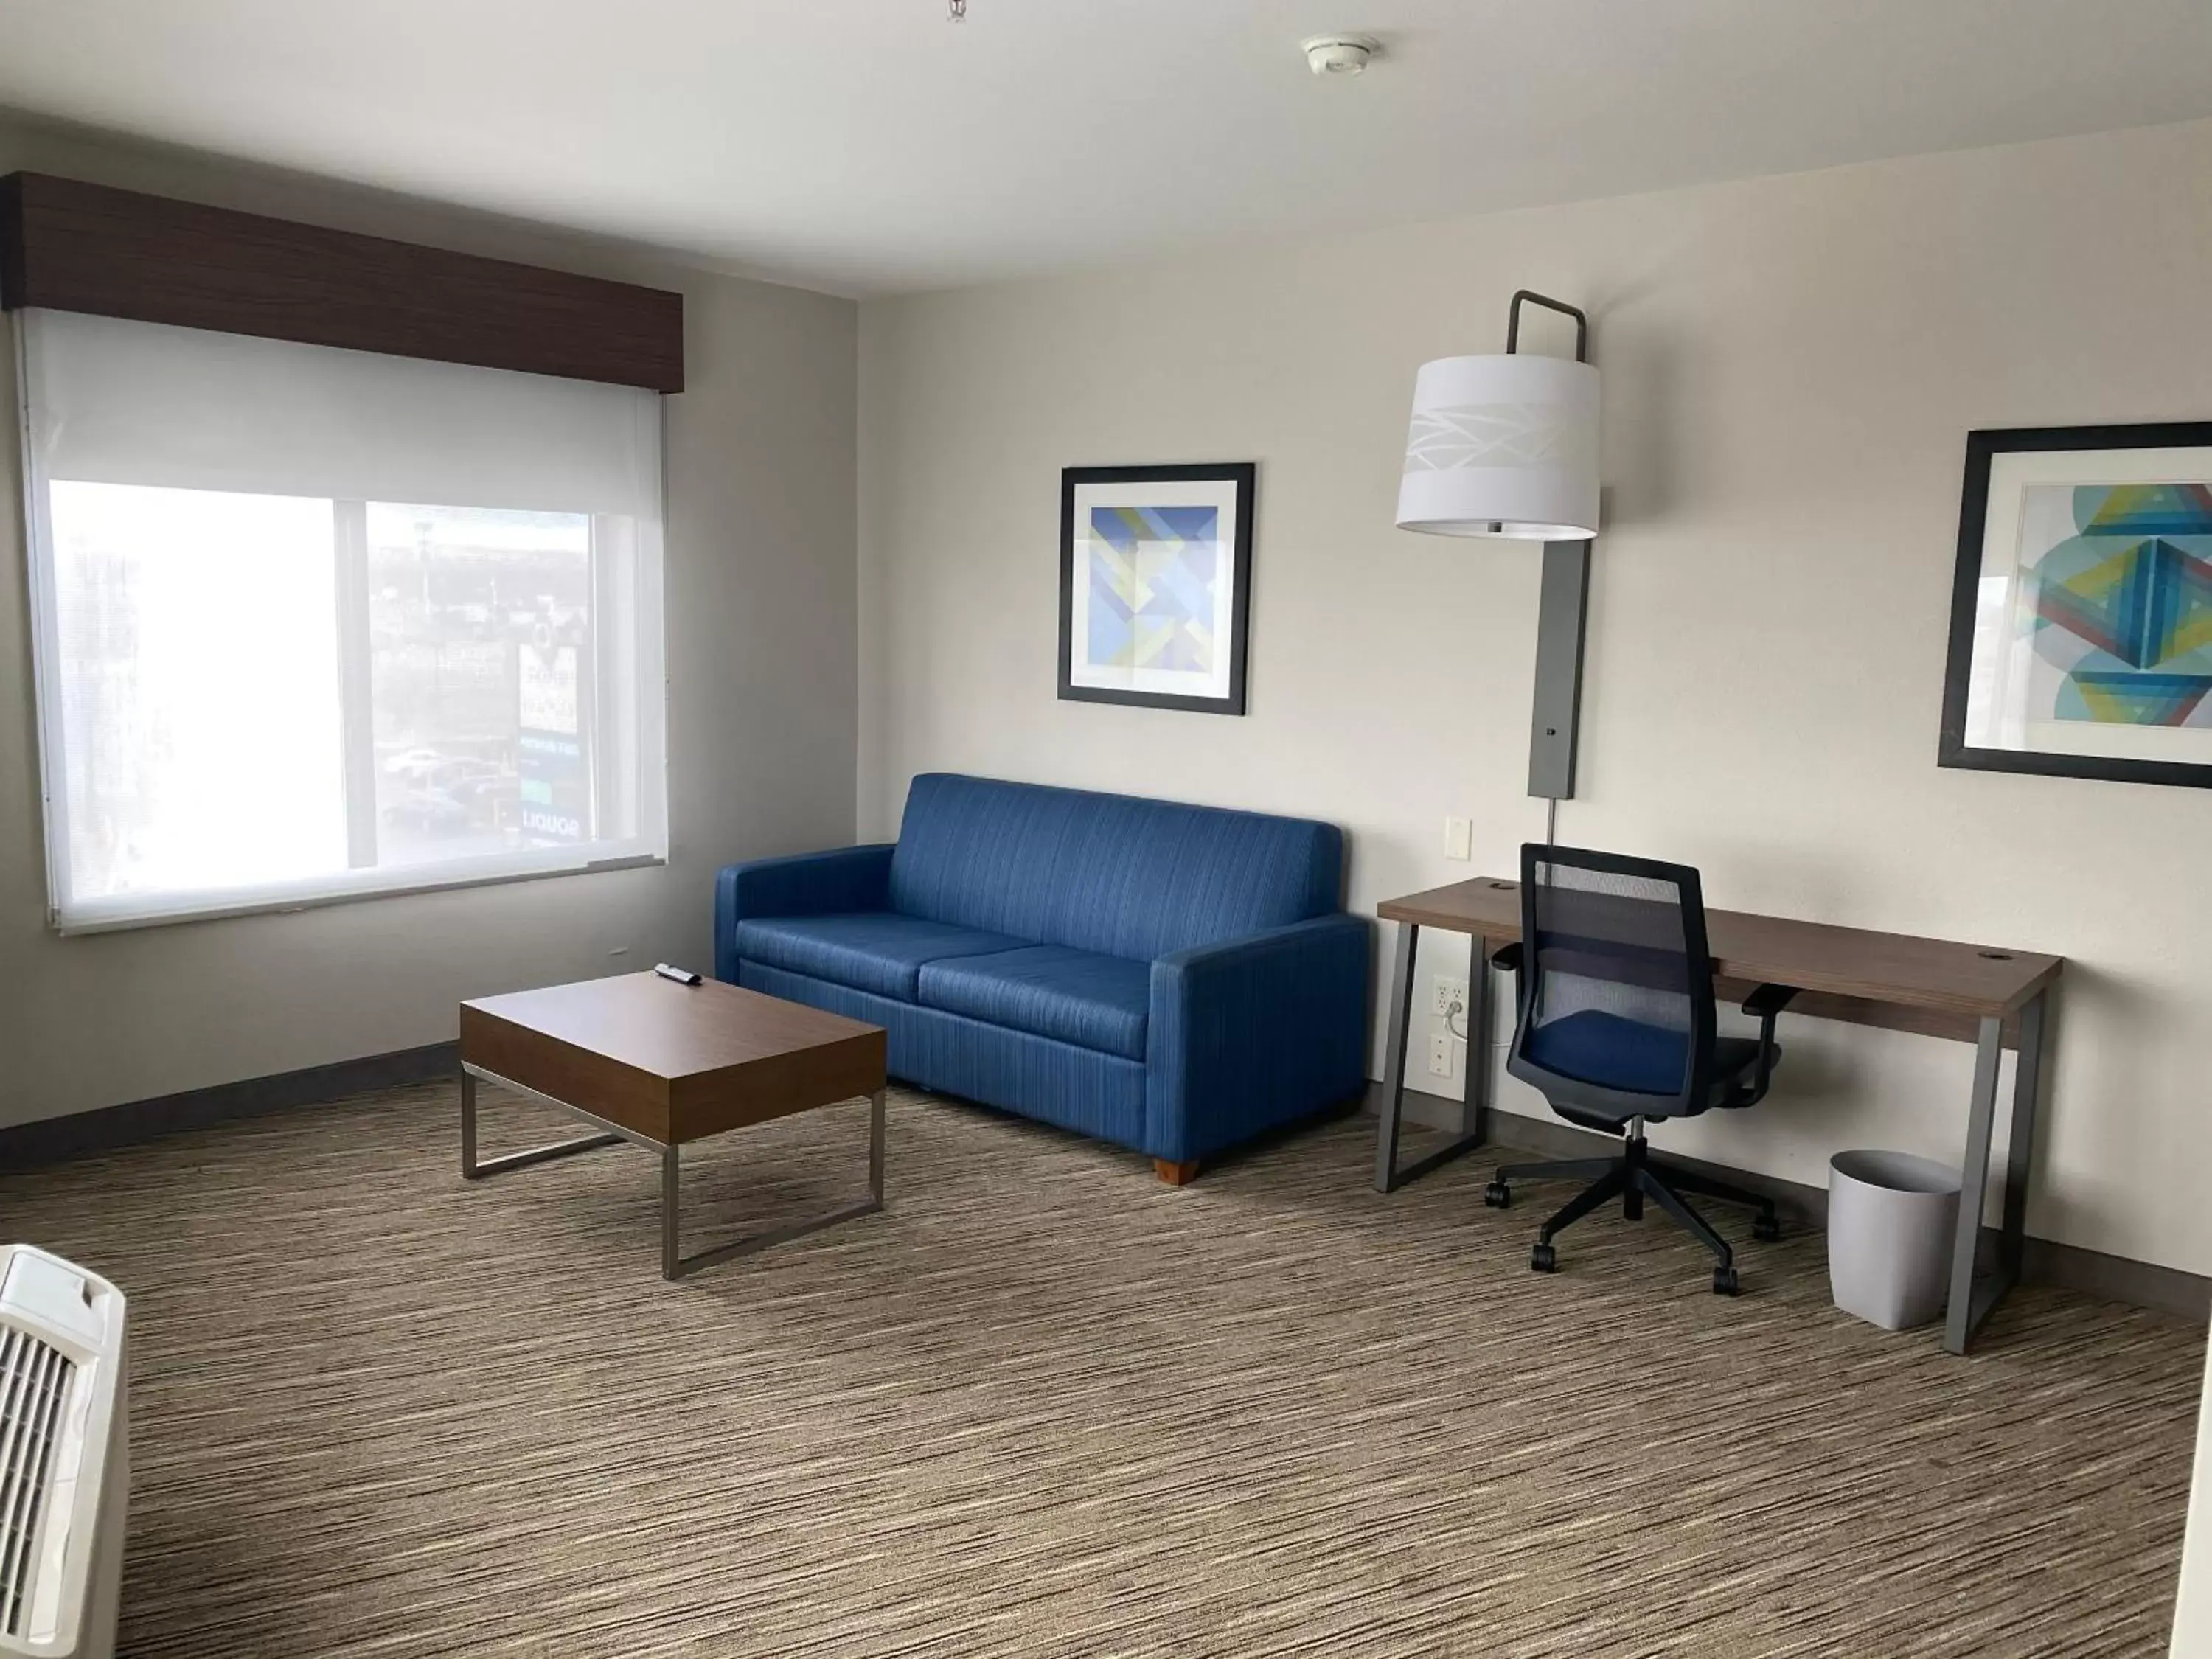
[313, 624]
[117, 402]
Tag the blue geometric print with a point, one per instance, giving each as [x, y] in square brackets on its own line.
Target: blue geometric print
[1152, 574]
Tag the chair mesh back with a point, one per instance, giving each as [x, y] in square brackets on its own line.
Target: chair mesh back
[1615, 943]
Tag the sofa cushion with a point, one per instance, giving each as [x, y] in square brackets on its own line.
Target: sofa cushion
[1074, 996]
[870, 950]
[1084, 1090]
[1130, 877]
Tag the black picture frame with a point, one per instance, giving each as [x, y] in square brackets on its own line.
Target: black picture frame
[1244, 477]
[1983, 446]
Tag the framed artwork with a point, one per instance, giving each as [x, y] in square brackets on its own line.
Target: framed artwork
[2082, 611]
[1155, 579]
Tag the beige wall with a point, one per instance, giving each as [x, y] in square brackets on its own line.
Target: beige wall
[761, 717]
[1790, 369]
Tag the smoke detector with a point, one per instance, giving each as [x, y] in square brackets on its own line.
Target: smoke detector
[1341, 54]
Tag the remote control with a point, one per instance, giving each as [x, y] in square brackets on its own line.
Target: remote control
[681, 975]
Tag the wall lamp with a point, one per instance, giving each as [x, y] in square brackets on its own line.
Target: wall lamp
[1506, 447]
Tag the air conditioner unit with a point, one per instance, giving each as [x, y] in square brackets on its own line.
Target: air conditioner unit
[64, 1457]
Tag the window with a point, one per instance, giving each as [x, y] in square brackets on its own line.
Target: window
[314, 623]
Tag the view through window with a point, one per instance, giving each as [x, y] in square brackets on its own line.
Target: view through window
[199, 685]
[206, 644]
[480, 684]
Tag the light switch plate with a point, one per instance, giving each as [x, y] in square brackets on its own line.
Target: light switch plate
[1459, 839]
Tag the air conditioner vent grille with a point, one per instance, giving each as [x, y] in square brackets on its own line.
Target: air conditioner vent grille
[34, 1385]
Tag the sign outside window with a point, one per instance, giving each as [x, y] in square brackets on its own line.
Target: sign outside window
[553, 760]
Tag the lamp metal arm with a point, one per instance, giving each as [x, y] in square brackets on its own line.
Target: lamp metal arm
[1513, 321]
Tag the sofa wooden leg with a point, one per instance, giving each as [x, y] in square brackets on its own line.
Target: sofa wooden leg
[1174, 1173]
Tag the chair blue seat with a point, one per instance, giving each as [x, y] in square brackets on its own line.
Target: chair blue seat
[1631, 1055]
[1083, 997]
[878, 950]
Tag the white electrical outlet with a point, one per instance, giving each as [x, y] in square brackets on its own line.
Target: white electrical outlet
[1459, 839]
[1449, 991]
[1440, 1054]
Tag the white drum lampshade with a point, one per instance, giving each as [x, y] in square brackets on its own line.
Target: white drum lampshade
[1503, 446]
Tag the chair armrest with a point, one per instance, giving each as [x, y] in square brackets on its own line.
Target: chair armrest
[804, 884]
[1507, 956]
[1768, 1000]
[1245, 1035]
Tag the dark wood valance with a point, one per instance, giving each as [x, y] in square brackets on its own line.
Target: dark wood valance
[70, 246]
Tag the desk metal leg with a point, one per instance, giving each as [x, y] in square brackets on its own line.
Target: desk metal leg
[1394, 1059]
[2020, 1151]
[1974, 1297]
[1479, 973]
[1388, 1177]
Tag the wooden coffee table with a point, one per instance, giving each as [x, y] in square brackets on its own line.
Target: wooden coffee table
[661, 1064]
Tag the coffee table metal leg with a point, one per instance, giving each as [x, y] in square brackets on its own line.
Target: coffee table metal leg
[876, 1144]
[675, 1265]
[473, 1170]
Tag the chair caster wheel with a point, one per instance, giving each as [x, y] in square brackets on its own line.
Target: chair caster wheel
[1498, 1196]
[1725, 1282]
[1543, 1260]
[1767, 1229]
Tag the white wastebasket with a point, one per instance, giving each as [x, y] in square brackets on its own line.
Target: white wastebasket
[1891, 1220]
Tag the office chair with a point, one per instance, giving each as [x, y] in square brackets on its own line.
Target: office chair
[1616, 1029]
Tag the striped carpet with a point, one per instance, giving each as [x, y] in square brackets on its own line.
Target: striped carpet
[1046, 1405]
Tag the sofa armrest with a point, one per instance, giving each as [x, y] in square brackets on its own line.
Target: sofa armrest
[1246, 1035]
[804, 884]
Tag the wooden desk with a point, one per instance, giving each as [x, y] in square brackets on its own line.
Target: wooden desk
[1992, 997]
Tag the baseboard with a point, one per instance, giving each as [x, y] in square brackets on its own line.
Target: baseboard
[2118, 1279]
[1429, 1111]
[2069, 1267]
[54, 1139]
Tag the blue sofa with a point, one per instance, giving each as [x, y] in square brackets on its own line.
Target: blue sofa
[1173, 979]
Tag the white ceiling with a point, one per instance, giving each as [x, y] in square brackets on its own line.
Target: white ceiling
[874, 146]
